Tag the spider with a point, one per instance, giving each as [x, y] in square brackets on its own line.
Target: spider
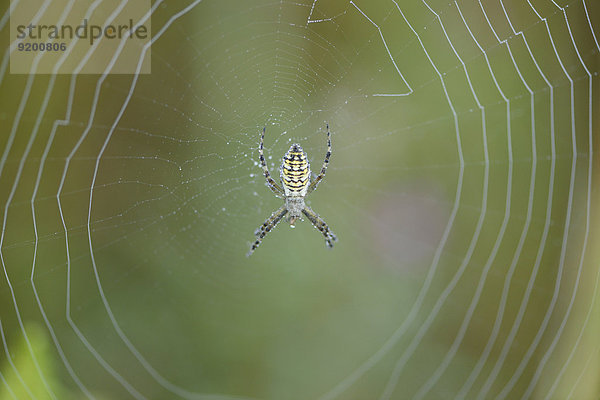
[295, 179]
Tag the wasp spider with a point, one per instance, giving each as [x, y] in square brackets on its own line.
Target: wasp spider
[295, 179]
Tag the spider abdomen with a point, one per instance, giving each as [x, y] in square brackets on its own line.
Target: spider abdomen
[295, 171]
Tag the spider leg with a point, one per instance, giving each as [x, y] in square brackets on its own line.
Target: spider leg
[270, 182]
[266, 227]
[321, 175]
[318, 222]
[276, 215]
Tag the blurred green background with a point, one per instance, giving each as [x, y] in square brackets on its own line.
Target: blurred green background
[464, 200]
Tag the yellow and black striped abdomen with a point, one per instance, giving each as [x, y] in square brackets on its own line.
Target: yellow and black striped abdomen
[295, 171]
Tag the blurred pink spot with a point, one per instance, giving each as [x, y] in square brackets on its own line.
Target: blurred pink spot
[406, 226]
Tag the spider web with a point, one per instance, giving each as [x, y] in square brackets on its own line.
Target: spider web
[461, 187]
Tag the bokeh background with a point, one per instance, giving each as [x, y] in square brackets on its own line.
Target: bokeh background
[463, 188]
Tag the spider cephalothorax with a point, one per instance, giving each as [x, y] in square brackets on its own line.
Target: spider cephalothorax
[295, 179]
